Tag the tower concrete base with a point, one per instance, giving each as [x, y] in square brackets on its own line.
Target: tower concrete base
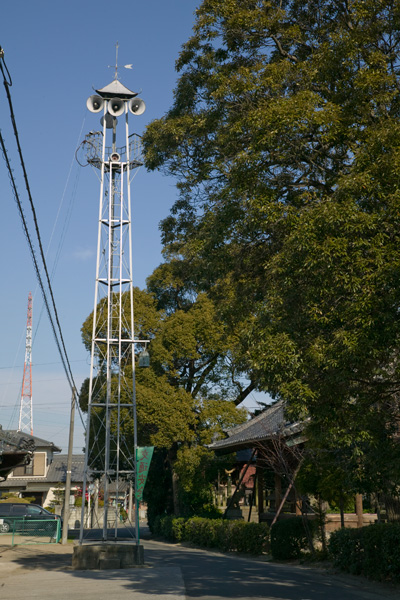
[107, 555]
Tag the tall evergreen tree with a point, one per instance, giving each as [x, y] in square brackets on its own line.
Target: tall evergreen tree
[284, 138]
[186, 396]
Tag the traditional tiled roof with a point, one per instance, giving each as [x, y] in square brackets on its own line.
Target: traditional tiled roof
[12, 441]
[260, 428]
[15, 450]
[57, 472]
[21, 437]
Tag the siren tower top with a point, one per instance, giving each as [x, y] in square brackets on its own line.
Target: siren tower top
[116, 63]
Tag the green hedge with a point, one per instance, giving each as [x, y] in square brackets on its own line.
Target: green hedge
[234, 536]
[373, 551]
[289, 537]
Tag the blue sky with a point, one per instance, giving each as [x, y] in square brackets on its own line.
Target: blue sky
[57, 52]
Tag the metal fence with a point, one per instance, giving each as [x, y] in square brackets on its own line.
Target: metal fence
[31, 531]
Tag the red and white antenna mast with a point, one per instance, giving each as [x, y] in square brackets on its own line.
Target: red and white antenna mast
[25, 413]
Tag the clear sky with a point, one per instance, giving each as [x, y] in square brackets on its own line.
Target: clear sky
[57, 52]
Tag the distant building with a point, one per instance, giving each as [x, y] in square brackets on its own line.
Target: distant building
[15, 451]
[41, 471]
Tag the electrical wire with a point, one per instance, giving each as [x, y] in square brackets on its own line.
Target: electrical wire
[33, 255]
[64, 229]
[59, 339]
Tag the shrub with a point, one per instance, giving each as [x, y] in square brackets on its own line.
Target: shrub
[289, 538]
[250, 538]
[373, 551]
[166, 528]
[178, 528]
[224, 536]
[78, 501]
[12, 497]
[209, 511]
[200, 531]
[155, 525]
[344, 549]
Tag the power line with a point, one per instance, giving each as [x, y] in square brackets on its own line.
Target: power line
[44, 364]
[65, 224]
[59, 339]
[36, 381]
[32, 251]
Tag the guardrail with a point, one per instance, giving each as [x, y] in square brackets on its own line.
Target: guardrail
[31, 531]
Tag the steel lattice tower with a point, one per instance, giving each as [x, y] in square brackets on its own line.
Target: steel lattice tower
[111, 432]
[25, 413]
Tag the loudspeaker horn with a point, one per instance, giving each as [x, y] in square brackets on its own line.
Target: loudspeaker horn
[115, 157]
[116, 107]
[95, 103]
[137, 106]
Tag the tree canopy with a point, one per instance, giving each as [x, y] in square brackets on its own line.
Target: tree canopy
[284, 139]
[185, 397]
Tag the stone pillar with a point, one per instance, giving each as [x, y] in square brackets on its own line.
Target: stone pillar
[359, 510]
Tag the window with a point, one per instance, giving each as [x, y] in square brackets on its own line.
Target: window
[24, 470]
[19, 509]
[36, 467]
[33, 510]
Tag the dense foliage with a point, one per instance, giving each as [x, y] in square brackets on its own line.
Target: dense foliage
[183, 399]
[284, 137]
[227, 536]
[372, 551]
[290, 536]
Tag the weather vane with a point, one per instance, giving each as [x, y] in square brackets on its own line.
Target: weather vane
[116, 63]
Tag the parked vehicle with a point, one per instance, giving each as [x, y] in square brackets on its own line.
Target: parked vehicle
[23, 517]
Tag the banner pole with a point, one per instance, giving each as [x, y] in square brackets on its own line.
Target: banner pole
[137, 521]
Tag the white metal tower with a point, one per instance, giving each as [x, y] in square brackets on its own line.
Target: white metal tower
[25, 413]
[111, 433]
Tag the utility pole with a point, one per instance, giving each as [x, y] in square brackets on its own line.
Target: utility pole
[68, 476]
[25, 414]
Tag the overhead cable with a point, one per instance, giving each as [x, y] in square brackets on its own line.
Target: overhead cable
[59, 339]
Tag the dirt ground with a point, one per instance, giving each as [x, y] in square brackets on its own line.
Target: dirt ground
[34, 556]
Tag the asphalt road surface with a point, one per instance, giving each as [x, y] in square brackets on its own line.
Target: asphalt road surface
[214, 576]
[173, 572]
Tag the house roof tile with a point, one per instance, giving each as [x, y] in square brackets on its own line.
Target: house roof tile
[260, 428]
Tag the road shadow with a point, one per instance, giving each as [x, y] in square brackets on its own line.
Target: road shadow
[35, 558]
[175, 570]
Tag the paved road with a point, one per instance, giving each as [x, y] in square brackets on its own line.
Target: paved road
[214, 576]
[172, 572]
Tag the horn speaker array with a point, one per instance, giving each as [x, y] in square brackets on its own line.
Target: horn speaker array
[116, 107]
[95, 103]
[137, 106]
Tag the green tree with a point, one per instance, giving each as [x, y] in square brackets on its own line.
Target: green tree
[284, 138]
[182, 399]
